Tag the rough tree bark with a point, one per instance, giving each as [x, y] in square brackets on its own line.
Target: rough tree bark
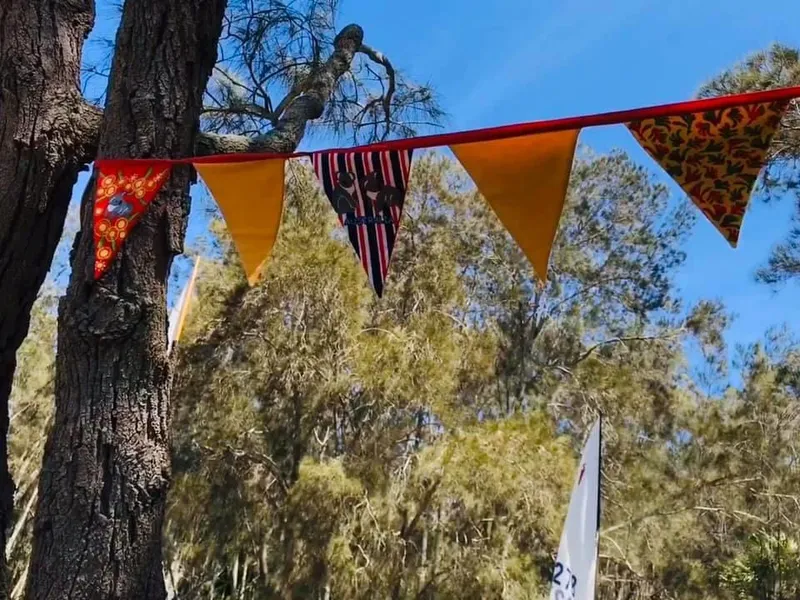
[97, 530]
[46, 138]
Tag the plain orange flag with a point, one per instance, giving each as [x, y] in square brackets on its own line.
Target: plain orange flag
[177, 317]
[524, 179]
[250, 196]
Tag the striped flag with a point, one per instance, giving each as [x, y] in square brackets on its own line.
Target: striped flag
[367, 190]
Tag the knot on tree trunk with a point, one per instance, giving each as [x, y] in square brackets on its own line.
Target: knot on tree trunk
[108, 316]
[349, 38]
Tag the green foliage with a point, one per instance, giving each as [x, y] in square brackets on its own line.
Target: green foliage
[31, 410]
[769, 568]
[330, 445]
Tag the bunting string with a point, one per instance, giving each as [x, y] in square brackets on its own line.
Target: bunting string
[620, 117]
[713, 148]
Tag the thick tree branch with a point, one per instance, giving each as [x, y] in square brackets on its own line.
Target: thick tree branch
[46, 135]
[98, 529]
[302, 104]
[295, 111]
[86, 128]
[307, 106]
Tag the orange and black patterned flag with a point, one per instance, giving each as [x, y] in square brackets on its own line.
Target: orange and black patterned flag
[715, 156]
[367, 190]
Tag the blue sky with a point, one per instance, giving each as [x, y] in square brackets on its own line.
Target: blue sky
[519, 60]
[525, 60]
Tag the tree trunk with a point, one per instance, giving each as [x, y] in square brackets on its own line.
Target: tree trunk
[46, 136]
[106, 470]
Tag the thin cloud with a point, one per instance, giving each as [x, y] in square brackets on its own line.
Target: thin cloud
[538, 46]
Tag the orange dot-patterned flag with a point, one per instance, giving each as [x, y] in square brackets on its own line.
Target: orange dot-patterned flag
[124, 191]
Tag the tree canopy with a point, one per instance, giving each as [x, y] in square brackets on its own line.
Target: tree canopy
[307, 440]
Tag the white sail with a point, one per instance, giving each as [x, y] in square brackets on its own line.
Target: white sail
[576, 564]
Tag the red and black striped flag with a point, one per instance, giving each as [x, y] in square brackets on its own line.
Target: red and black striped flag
[367, 190]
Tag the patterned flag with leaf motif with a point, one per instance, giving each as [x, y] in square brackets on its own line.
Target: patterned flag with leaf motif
[715, 156]
[367, 190]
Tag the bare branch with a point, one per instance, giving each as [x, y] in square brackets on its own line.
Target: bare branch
[381, 59]
[308, 105]
[622, 340]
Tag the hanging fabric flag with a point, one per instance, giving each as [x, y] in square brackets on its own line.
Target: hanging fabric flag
[123, 192]
[715, 156]
[524, 180]
[576, 563]
[178, 315]
[250, 196]
[367, 190]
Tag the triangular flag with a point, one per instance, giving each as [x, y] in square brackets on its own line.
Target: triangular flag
[715, 156]
[524, 180]
[250, 196]
[367, 190]
[576, 563]
[178, 315]
[123, 192]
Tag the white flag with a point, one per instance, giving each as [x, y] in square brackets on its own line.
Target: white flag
[576, 564]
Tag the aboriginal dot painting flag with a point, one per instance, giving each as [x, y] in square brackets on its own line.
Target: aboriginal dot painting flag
[124, 191]
[367, 190]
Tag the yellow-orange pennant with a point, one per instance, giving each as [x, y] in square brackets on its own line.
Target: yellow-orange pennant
[177, 317]
[250, 196]
[524, 179]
